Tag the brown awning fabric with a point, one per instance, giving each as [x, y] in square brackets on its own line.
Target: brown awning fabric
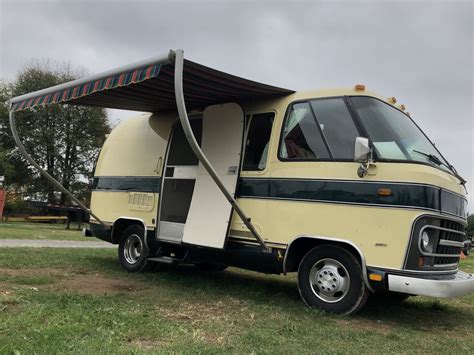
[150, 88]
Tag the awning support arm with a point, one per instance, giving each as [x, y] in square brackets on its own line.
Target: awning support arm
[183, 117]
[42, 171]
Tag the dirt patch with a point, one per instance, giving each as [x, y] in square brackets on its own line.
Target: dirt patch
[201, 313]
[219, 311]
[209, 338]
[364, 324]
[97, 284]
[8, 299]
[34, 272]
[75, 280]
[146, 343]
[5, 290]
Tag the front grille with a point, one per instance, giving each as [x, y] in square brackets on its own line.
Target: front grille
[454, 232]
[446, 236]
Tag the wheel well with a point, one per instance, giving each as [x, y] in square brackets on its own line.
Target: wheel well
[298, 249]
[120, 225]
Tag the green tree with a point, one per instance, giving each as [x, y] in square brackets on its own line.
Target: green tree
[470, 225]
[64, 139]
[15, 171]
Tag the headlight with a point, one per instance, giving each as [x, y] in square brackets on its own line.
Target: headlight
[426, 242]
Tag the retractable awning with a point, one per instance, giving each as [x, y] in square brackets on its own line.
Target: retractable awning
[149, 86]
[158, 84]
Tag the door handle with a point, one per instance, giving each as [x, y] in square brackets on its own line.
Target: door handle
[159, 164]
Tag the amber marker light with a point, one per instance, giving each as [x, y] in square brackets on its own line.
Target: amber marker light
[384, 192]
[392, 100]
[375, 277]
[402, 107]
[359, 87]
[408, 114]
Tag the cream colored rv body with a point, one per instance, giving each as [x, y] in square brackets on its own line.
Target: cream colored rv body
[137, 148]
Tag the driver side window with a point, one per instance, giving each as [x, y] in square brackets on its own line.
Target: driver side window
[302, 138]
[319, 129]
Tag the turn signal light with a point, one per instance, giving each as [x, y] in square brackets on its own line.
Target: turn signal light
[375, 277]
[359, 87]
[384, 192]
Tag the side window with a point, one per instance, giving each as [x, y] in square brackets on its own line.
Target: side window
[337, 126]
[301, 137]
[258, 139]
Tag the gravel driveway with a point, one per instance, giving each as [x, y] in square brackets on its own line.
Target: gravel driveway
[28, 243]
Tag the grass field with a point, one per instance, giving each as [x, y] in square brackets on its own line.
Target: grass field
[38, 231]
[63, 300]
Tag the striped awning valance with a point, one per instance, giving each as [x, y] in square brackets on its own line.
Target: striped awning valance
[76, 92]
[148, 86]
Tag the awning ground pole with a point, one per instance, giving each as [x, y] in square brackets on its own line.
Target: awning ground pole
[183, 117]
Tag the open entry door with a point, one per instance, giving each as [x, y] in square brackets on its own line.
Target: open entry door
[210, 212]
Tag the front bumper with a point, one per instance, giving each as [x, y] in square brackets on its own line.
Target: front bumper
[461, 284]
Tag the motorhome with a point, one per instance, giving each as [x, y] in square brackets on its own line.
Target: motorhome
[339, 186]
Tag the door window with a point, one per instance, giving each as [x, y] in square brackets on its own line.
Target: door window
[258, 139]
[180, 152]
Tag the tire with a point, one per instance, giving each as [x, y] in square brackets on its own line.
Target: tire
[210, 267]
[330, 278]
[132, 251]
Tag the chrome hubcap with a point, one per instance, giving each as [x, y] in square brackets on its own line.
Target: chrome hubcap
[329, 280]
[133, 249]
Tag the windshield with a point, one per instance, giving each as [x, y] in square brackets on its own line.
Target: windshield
[393, 134]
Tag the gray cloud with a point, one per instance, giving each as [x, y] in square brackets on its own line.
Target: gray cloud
[419, 51]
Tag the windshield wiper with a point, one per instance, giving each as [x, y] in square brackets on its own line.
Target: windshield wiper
[438, 161]
[432, 158]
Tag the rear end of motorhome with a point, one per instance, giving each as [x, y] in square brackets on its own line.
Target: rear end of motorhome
[338, 186]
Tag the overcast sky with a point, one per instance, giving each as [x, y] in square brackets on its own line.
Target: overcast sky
[418, 51]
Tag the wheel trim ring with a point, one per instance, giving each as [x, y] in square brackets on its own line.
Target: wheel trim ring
[320, 276]
[133, 248]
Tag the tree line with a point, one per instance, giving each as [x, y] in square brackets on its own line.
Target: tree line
[65, 140]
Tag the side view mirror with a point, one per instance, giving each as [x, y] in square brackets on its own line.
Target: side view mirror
[362, 150]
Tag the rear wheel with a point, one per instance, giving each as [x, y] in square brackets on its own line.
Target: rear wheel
[330, 278]
[132, 251]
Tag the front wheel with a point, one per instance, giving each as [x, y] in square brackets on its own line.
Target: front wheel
[330, 278]
[132, 251]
